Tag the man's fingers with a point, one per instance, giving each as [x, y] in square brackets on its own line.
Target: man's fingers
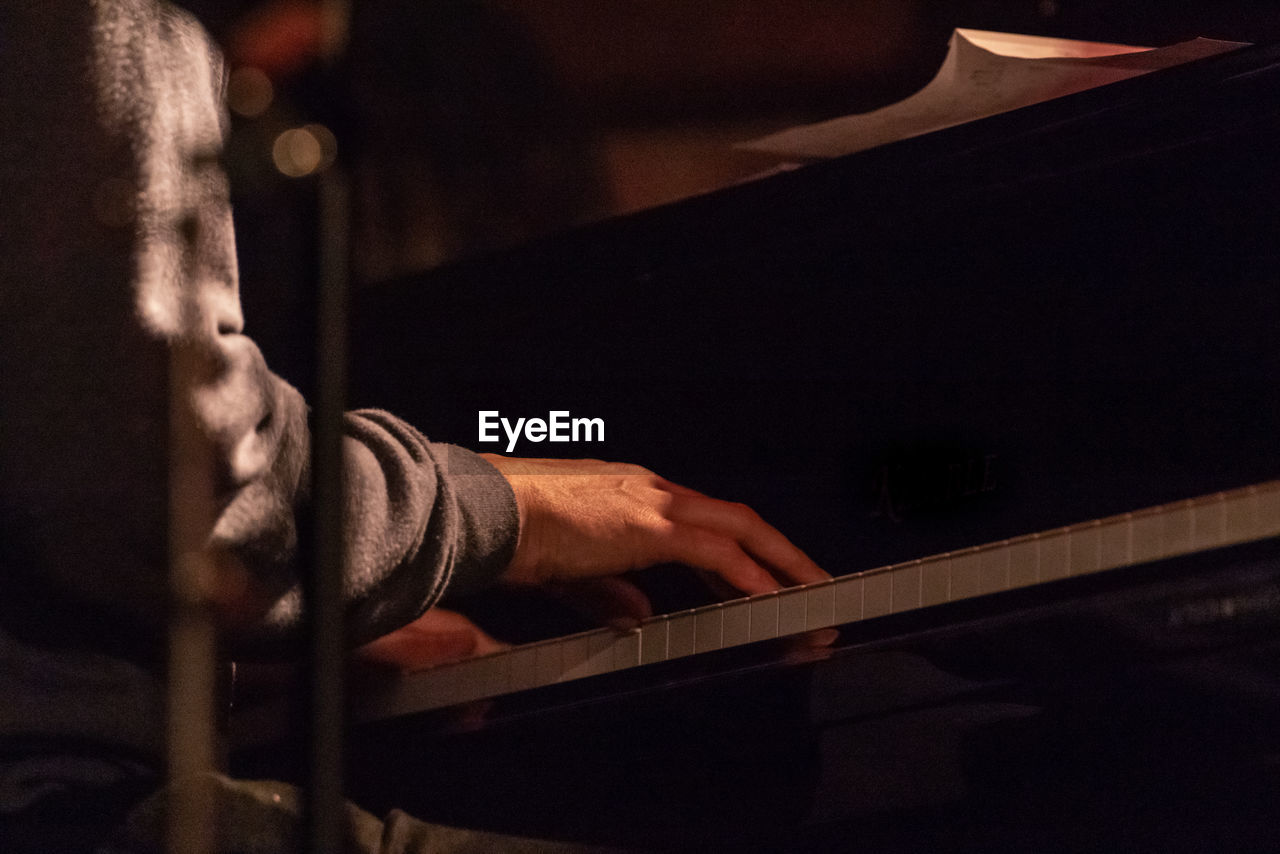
[704, 549]
[412, 650]
[719, 588]
[437, 637]
[610, 601]
[755, 536]
[585, 518]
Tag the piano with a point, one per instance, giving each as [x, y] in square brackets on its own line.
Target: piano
[1016, 383]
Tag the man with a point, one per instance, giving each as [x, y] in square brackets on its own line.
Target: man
[141, 428]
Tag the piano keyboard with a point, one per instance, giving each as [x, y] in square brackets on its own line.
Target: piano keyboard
[1167, 531]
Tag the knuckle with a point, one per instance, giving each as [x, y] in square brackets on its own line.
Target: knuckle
[660, 526]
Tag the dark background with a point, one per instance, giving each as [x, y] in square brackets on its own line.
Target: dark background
[1035, 343]
[1035, 320]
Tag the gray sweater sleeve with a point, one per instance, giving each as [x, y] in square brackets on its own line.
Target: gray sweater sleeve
[128, 379]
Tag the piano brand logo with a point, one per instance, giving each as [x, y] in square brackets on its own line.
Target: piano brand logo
[556, 427]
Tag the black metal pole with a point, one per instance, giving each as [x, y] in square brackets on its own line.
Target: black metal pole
[326, 814]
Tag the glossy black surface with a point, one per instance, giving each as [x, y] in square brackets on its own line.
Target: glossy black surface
[1135, 710]
[1037, 319]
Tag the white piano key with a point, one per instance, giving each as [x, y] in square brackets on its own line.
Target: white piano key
[524, 667]
[626, 650]
[653, 640]
[966, 574]
[1178, 528]
[1241, 511]
[709, 630]
[444, 685]
[471, 683]
[820, 608]
[848, 607]
[935, 581]
[764, 617]
[791, 612]
[877, 594]
[1053, 554]
[1268, 510]
[736, 628]
[993, 568]
[1084, 548]
[478, 685]
[487, 676]
[1024, 562]
[408, 694]
[1115, 542]
[574, 652]
[1208, 523]
[547, 663]
[905, 588]
[599, 652]
[1176, 534]
[1146, 537]
[459, 684]
[439, 688]
[468, 690]
[412, 693]
[680, 634]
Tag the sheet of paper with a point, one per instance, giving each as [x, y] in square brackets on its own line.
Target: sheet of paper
[984, 73]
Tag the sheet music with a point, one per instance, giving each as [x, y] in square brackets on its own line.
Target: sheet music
[984, 73]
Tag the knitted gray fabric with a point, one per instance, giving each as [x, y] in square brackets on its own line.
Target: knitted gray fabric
[119, 305]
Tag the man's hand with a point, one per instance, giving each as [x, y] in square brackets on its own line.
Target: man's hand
[437, 637]
[581, 519]
[584, 521]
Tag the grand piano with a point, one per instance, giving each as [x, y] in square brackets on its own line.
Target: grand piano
[1017, 383]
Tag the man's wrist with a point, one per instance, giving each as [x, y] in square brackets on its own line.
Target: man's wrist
[490, 520]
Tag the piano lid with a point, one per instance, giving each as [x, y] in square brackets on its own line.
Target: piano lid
[1053, 314]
